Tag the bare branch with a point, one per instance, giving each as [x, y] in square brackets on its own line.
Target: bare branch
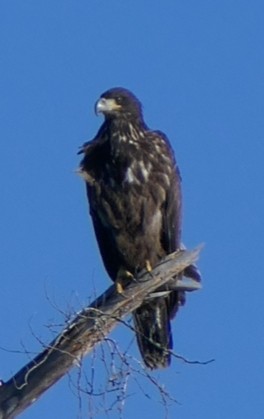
[89, 327]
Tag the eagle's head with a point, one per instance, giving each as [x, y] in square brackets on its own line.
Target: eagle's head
[119, 103]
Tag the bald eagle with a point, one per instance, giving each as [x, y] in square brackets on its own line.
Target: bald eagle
[134, 191]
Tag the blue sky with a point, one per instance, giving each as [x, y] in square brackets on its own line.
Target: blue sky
[198, 69]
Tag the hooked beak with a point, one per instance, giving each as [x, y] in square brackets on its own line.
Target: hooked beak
[106, 106]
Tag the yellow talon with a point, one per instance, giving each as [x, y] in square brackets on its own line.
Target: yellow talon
[119, 287]
[122, 277]
[148, 266]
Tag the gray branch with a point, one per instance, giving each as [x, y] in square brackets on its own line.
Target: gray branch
[89, 327]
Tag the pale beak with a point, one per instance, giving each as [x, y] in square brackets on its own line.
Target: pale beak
[106, 106]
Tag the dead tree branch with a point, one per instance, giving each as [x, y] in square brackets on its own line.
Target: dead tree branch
[89, 327]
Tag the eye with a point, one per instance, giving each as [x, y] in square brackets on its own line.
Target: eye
[119, 99]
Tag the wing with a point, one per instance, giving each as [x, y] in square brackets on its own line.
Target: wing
[91, 167]
[170, 179]
[105, 238]
[171, 233]
[171, 216]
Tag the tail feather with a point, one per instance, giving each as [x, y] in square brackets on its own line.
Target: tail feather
[153, 332]
[152, 322]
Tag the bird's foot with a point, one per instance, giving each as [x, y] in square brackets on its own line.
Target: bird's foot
[122, 278]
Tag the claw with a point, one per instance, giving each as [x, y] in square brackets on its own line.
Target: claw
[148, 266]
[122, 276]
[119, 287]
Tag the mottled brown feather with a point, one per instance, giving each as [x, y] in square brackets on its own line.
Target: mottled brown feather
[134, 192]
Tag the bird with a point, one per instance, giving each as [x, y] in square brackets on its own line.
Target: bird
[133, 186]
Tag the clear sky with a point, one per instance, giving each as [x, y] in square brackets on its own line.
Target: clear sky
[198, 68]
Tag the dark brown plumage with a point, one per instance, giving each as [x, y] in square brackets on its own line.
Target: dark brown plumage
[134, 192]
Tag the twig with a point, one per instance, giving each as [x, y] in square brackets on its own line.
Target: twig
[89, 327]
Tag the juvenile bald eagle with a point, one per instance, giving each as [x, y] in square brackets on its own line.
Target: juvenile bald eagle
[134, 192]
